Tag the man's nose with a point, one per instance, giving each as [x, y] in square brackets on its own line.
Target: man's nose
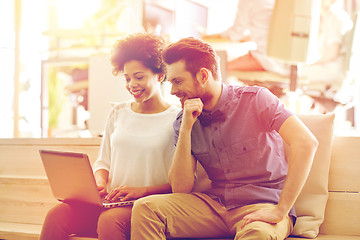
[173, 90]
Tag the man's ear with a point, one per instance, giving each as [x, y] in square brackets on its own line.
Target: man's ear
[161, 77]
[203, 75]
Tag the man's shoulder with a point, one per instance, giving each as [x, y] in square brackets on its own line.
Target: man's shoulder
[179, 115]
[241, 90]
[177, 122]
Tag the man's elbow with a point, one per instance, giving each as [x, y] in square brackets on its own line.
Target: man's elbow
[314, 144]
[181, 187]
[310, 144]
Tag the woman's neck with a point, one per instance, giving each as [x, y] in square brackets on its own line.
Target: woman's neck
[151, 106]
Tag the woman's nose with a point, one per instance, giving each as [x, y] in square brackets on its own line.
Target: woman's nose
[132, 83]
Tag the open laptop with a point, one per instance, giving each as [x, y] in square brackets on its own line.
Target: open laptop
[71, 178]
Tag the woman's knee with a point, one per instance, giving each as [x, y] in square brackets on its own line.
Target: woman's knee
[114, 221]
[56, 224]
[60, 213]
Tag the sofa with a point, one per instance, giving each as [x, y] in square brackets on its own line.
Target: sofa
[328, 207]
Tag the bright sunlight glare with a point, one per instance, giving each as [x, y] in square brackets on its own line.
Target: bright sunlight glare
[72, 14]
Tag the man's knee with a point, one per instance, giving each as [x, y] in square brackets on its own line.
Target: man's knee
[257, 231]
[152, 210]
[146, 204]
[147, 219]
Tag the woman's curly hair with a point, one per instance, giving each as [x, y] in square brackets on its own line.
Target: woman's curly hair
[146, 48]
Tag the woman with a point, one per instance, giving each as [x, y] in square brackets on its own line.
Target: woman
[136, 149]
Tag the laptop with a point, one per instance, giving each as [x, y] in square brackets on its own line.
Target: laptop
[71, 178]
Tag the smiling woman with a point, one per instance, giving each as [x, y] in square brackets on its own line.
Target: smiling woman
[130, 165]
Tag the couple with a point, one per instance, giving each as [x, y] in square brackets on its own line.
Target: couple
[236, 133]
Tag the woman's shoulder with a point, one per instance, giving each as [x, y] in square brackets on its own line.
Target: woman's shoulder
[116, 106]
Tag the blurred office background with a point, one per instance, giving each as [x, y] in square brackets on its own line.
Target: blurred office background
[56, 78]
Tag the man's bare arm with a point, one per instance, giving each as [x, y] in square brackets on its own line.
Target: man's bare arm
[303, 146]
[181, 174]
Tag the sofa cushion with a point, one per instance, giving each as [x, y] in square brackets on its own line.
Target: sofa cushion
[310, 205]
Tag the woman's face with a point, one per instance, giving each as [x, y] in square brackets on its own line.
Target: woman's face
[141, 82]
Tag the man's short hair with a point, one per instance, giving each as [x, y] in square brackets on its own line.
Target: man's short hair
[196, 53]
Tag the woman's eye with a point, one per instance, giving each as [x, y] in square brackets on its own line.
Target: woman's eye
[139, 78]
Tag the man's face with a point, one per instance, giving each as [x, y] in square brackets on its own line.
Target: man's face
[183, 84]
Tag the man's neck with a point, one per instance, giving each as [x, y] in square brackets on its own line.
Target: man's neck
[212, 96]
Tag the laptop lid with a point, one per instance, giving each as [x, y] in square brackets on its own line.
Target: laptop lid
[70, 176]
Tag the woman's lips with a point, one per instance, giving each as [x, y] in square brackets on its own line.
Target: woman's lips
[137, 93]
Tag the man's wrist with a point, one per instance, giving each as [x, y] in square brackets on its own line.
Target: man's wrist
[283, 211]
[185, 129]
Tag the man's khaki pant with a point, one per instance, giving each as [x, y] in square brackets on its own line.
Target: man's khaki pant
[196, 215]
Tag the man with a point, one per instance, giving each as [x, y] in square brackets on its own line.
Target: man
[237, 134]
